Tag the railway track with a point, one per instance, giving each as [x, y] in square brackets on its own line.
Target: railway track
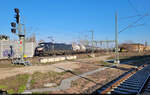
[135, 81]
[146, 88]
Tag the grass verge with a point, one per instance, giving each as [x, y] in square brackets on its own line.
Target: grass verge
[15, 84]
[39, 79]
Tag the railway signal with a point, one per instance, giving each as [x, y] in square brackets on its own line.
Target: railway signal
[16, 10]
[21, 34]
[17, 15]
[13, 30]
[13, 25]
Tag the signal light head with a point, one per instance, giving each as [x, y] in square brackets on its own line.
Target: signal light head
[17, 18]
[13, 24]
[17, 15]
[13, 30]
[16, 10]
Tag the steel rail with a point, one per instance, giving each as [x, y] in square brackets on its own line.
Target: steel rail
[121, 80]
[142, 87]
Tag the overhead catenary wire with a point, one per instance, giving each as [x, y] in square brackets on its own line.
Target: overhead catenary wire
[133, 26]
[122, 18]
[139, 25]
[134, 8]
[130, 25]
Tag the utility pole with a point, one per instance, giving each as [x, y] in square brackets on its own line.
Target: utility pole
[107, 46]
[139, 47]
[103, 42]
[53, 48]
[92, 43]
[24, 40]
[116, 35]
[145, 46]
[116, 41]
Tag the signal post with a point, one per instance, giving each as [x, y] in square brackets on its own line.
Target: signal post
[21, 35]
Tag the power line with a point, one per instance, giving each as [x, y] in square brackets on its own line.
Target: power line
[130, 25]
[133, 26]
[130, 17]
[139, 25]
[134, 8]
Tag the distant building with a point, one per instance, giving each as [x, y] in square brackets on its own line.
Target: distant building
[147, 48]
[132, 47]
[4, 37]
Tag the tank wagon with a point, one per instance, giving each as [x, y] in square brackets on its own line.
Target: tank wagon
[48, 48]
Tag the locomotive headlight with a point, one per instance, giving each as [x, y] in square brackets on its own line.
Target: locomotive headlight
[39, 49]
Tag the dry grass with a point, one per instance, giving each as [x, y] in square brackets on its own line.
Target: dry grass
[39, 79]
[102, 77]
[15, 84]
[9, 65]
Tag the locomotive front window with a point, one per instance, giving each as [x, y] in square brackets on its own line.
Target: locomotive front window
[42, 44]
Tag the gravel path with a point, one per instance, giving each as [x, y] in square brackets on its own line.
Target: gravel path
[66, 83]
[28, 82]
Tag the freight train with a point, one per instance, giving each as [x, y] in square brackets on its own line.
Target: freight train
[48, 48]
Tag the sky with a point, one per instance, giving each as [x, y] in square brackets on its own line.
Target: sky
[71, 20]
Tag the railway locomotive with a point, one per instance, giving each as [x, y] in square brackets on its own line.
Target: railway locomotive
[48, 48]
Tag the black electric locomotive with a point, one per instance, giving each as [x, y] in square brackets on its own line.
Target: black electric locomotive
[48, 48]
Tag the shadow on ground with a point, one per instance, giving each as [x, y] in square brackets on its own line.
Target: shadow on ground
[134, 60]
[79, 76]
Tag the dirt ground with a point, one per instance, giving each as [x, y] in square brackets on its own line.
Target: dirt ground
[8, 72]
[58, 67]
[78, 66]
[100, 78]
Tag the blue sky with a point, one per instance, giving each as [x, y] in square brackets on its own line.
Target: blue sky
[70, 20]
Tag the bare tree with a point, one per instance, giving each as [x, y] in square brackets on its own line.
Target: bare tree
[32, 38]
[84, 42]
[40, 41]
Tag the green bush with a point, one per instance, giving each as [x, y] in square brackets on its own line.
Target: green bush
[3, 87]
[21, 88]
[11, 91]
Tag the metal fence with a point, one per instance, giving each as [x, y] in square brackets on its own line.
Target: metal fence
[5, 49]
